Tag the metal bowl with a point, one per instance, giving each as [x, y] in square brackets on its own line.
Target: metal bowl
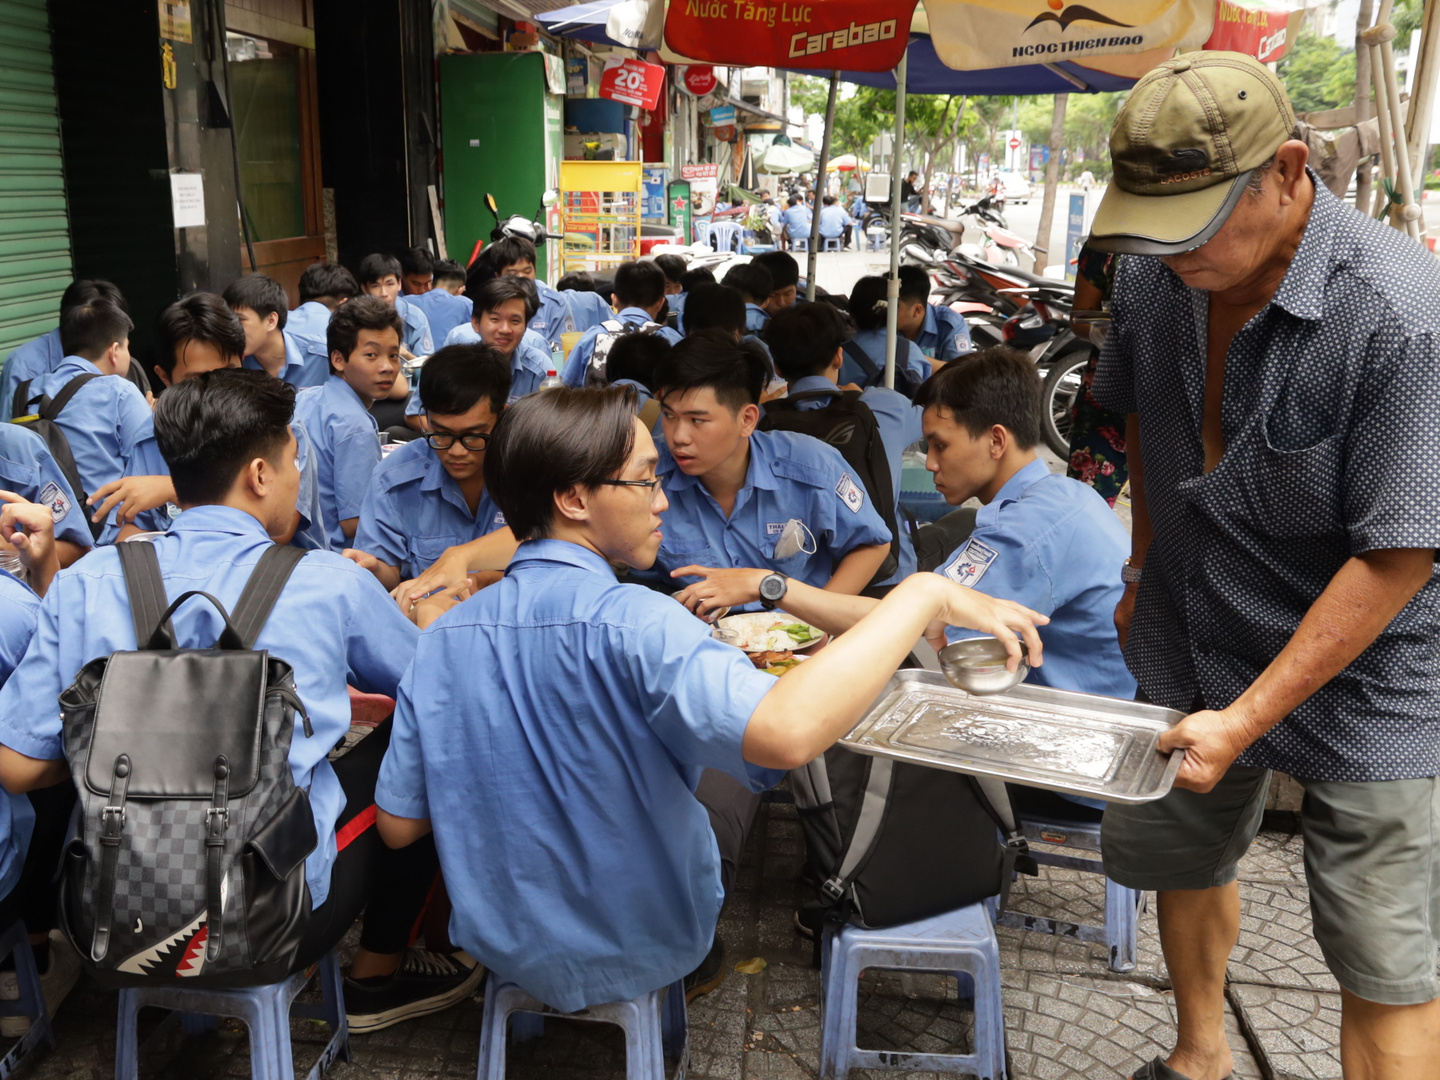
[977, 666]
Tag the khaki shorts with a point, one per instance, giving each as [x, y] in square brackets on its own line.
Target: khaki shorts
[1372, 861]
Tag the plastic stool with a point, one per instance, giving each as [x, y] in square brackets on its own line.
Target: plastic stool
[960, 943]
[799, 243]
[653, 1030]
[266, 1011]
[1046, 818]
[832, 243]
[879, 239]
[15, 942]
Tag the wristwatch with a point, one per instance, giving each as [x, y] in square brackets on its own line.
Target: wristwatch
[772, 590]
[1130, 573]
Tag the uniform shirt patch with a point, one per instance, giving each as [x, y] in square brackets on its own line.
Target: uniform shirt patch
[774, 528]
[498, 520]
[968, 567]
[56, 500]
[851, 494]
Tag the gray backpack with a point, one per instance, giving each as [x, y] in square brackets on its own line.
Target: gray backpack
[596, 373]
[189, 857]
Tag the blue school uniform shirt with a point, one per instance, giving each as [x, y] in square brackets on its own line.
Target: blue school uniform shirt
[346, 441]
[797, 221]
[944, 335]
[1052, 544]
[907, 356]
[581, 865]
[443, 310]
[143, 458]
[567, 311]
[101, 420]
[578, 362]
[19, 610]
[417, 338]
[303, 365]
[333, 623]
[790, 476]
[414, 510]
[311, 320]
[833, 220]
[899, 421]
[28, 361]
[755, 318]
[29, 469]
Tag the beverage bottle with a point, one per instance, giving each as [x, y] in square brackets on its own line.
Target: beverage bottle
[552, 380]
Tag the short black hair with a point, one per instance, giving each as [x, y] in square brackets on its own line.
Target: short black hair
[793, 200]
[510, 250]
[374, 267]
[639, 284]
[90, 329]
[202, 317]
[672, 266]
[712, 358]
[417, 260]
[577, 281]
[261, 295]
[321, 279]
[456, 378]
[481, 269]
[362, 313]
[829, 200]
[868, 303]
[699, 276]
[782, 266]
[714, 307]
[506, 287]
[548, 443]
[83, 290]
[752, 279]
[991, 386]
[448, 270]
[914, 284]
[636, 357]
[210, 427]
[803, 339]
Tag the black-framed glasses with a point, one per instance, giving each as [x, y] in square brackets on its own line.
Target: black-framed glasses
[652, 485]
[444, 440]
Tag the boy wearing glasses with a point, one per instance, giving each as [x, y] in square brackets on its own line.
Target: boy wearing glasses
[430, 494]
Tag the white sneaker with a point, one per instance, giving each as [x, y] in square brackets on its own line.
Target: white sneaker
[57, 980]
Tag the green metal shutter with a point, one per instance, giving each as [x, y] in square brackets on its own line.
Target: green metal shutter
[34, 228]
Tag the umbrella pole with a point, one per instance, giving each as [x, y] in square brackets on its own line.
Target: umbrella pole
[820, 195]
[892, 284]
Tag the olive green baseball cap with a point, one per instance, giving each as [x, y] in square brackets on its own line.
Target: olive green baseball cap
[1183, 147]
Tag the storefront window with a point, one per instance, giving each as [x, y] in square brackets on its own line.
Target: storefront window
[266, 105]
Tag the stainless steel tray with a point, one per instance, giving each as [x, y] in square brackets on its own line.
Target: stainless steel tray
[1079, 744]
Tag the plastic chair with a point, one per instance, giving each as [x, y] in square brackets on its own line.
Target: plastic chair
[266, 1011]
[654, 1029]
[724, 235]
[960, 943]
[832, 243]
[1046, 818]
[15, 942]
[879, 239]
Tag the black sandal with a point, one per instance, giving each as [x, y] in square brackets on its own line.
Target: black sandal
[1156, 1069]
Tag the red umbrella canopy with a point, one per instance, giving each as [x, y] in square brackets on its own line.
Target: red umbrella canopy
[854, 35]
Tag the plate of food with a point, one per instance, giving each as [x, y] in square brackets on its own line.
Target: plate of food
[772, 631]
[776, 661]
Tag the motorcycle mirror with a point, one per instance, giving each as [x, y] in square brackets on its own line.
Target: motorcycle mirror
[490, 202]
[550, 198]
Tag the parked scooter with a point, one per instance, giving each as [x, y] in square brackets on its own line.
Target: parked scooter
[532, 229]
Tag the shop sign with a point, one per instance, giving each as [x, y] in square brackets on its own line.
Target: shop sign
[632, 82]
[856, 35]
[698, 79]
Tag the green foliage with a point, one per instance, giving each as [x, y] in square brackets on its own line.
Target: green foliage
[856, 124]
[1318, 74]
[1406, 18]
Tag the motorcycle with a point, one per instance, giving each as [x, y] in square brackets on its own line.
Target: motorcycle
[532, 229]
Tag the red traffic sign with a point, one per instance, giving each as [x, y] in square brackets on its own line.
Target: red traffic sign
[699, 79]
[1015, 142]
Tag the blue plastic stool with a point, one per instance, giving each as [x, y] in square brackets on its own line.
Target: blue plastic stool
[960, 943]
[654, 1030]
[266, 1011]
[799, 243]
[832, 243]
[1048, 819]
[15, 942]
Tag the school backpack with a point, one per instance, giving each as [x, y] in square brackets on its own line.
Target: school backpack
[614, 329]
[905, 380]
[189, 857]
[42, 423]
[847, 424]
[889, 842]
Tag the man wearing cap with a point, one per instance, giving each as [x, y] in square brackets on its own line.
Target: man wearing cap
[1276, 353]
